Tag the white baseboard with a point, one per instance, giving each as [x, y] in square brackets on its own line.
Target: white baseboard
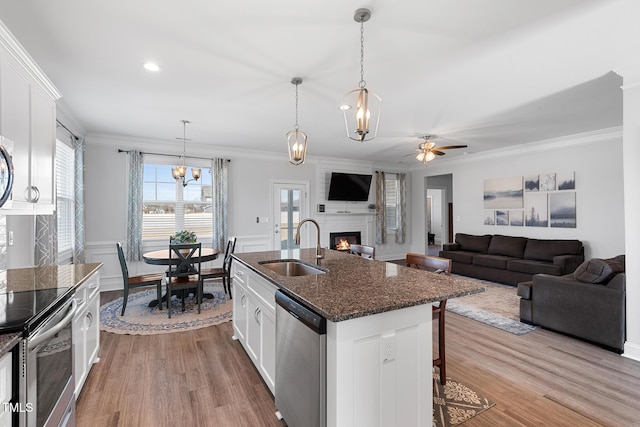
[631, 351]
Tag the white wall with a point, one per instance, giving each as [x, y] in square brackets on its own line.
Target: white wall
[250, 178]
[596, 159]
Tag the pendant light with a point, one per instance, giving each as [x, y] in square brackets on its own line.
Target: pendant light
[180, 171]
[361, 106]
[296, 139]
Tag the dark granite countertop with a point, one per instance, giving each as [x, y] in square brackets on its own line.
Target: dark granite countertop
[64, 277]
[55, 276]
[355, 287]
[8, 341]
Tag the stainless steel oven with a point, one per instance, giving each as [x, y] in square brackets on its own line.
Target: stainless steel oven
[46, 383]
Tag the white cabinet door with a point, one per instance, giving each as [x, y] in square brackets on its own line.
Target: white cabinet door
[240, 307]
[15, 125]
[253, 331]
[5, 389]
[268, 349]
[28, 118]
[43, 150]
[86, 329]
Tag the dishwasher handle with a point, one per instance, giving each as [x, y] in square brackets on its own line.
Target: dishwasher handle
[310, 318]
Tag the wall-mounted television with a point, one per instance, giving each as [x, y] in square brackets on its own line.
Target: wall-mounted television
[349, 187]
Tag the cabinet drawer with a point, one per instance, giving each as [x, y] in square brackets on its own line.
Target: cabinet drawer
[264, 290]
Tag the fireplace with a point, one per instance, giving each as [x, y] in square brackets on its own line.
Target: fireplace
[342, 241]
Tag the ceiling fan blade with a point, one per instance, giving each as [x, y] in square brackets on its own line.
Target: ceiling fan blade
[447, 147]
[438, 153]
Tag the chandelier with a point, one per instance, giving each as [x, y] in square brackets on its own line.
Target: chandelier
[296, 139]
[361, 106]
[180, 171]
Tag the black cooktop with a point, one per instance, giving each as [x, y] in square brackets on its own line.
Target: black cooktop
[23, 311]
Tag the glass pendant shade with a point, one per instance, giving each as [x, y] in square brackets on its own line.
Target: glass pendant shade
[425, 156]
[195, 173]
[297, 142]
[361, 108]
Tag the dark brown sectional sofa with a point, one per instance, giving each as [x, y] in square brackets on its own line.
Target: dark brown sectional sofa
[511, 260]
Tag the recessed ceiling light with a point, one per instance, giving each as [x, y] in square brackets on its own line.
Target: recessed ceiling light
[150, 66]
[345, 107]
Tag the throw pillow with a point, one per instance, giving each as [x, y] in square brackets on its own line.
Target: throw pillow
[471, 243]
[598, 270]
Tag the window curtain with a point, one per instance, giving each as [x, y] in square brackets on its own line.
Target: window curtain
[134, 207]
[78, 185]
[219, 202]
[46, 245]
[401, 230]
[381, 209]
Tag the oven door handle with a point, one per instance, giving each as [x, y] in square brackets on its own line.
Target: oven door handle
[43, 336]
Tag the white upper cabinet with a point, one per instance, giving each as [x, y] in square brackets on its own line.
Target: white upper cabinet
[28, 118]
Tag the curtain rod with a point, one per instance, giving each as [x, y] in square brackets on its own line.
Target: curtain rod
[169, 155]
[59, 123]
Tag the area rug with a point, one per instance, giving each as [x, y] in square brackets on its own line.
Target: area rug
[455, 403]
[499, 307]
[140, 319]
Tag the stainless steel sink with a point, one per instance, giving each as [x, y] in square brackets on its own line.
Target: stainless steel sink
[292, 268]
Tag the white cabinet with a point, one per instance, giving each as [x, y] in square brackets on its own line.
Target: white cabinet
[28, 118]
[254, 320]
[5, 389]
[86, 329]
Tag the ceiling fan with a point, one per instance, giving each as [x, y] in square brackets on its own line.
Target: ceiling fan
[428, 151]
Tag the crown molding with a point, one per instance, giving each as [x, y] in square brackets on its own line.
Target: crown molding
[19, 53]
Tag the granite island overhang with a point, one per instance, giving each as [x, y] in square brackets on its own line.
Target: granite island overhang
[354, 287]
[368, 306]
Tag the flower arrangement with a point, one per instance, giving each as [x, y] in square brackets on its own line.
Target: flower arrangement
[184, 236]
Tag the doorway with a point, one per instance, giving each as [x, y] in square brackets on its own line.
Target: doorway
[289, 200]
[438, 203]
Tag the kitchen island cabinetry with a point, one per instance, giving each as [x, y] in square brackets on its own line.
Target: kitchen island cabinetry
[378, 331]
[254, 320]
[86, 329]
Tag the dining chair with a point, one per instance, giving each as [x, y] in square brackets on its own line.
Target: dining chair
[436, 265]
[225, 271]
[368, 252]
[184, 272]
[130, 282]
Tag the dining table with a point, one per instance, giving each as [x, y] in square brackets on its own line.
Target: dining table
[163, 257]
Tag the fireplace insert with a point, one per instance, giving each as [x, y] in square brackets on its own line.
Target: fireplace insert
[342, 241]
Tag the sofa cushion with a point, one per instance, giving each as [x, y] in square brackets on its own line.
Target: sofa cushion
[545, 250]
[531, 266]
[473, 243]
[458, 256]
[598, 270]
[493, 261]
[507, 245]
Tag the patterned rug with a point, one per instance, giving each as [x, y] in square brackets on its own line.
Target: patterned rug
[499, 307]
[455, 403]
[140, 319]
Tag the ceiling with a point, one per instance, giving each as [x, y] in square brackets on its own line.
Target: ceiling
[488, 74]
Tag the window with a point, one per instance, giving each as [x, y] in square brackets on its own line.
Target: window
[65, 201]
[169, 207]
[391, 200]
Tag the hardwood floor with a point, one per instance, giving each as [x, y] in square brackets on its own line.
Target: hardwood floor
[204, 378]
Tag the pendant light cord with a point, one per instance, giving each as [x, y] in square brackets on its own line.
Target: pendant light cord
[296, 127]
[362, 83]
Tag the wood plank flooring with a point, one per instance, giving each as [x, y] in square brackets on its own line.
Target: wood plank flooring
[204, 378]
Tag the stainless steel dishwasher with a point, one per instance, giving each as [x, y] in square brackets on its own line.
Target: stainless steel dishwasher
[301, 350]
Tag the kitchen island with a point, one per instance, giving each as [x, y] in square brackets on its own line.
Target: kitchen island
[379, 330]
